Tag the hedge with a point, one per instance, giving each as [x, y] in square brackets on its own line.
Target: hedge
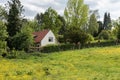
[60, 47]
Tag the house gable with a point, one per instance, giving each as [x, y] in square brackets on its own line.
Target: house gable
[38, 36]
[44, 37]
[48, 39]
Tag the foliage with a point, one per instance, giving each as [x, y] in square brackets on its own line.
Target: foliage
[76, 14]
[14, 21]
[105, 34]
[3, 13]
[49, 20]
[90, 37]
[33, 25]
[3, 36]
[14, 17]
[23, 40]
[100, 28]
[75, 35]
[107, 21]
[93, 25]
[118, 32]
[56, 48]
[101, 43]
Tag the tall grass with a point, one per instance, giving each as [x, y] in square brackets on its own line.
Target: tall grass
[86, 64]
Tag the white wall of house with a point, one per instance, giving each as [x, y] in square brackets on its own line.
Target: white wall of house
[48, 39]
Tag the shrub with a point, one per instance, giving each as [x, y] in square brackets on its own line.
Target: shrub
[90, 37]
[23, 39]
[118, 33]
[3, 37]
[55, 48]
[105, 34]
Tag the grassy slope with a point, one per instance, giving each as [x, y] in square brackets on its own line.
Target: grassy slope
[86, 64]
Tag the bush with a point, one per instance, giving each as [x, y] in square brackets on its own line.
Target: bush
[105, 34]
[23, 40]
[13, 54]
[90, 37]
[56, 48]
[118, 33]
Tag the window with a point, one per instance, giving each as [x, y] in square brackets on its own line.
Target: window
[50, 39]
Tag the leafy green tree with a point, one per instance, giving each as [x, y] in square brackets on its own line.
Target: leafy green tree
[74, 35]
[96, 12]
[3, 37]
[49, 20]
[24, 39]
[63, 27]
[33, 24]
[93, 25]
[3, 13]
[76, 13]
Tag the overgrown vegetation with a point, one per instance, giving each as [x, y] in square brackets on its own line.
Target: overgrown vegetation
[87, 64]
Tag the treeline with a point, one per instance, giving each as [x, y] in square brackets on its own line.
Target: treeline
[78, 25]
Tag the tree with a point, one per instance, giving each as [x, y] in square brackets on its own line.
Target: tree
[93, 25]
[33, 25]
[117, 23]
[3, 13]
[107, 21]
[63, 26]
[100, 26]
[14, 17]
[74, 35]
[118, 32]
[24, 39]
[76, 13]
[14, 20]
[49, 20]
[96, 12]
[3, 36]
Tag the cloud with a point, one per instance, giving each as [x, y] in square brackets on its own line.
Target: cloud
[32, 7]
[39, 6]
[103, 6]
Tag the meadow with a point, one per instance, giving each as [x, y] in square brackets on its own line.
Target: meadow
[85, 64]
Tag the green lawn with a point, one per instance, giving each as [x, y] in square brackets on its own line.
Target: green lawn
[85, 64]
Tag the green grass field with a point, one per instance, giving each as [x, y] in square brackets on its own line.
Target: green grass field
[85, 64]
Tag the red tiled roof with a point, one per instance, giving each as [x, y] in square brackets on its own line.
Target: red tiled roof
[40, 35]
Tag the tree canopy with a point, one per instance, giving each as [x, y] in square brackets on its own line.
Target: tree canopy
[76, 13]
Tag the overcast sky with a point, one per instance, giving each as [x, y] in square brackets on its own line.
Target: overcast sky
[37, 6]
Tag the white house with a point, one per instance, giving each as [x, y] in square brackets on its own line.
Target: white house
[45, 37]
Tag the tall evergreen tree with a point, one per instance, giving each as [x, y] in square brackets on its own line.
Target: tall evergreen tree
[14, 20]
[107, 21]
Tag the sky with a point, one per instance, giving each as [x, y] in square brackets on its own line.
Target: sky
[32, 7]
